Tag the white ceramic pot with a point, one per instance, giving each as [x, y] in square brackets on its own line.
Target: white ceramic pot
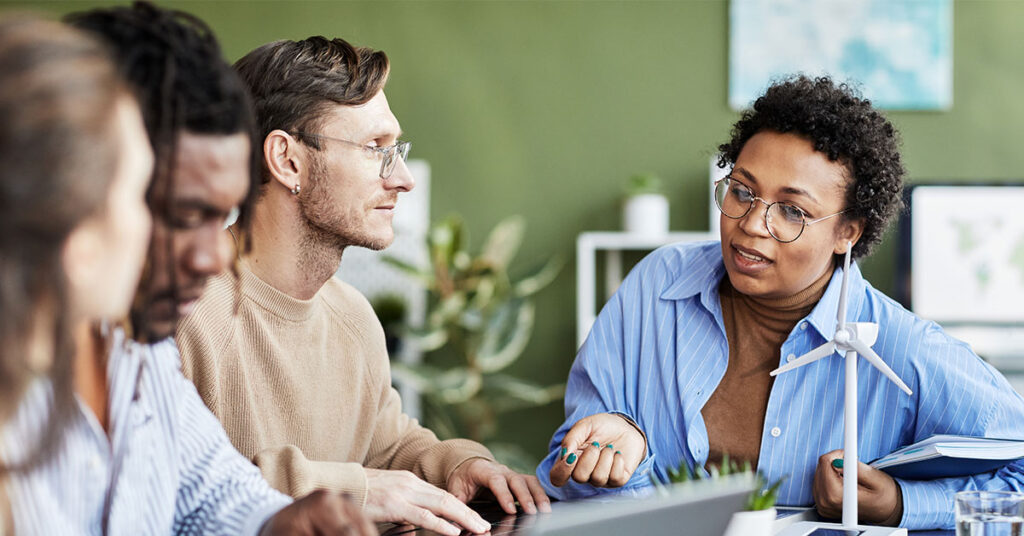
[751, 523]
[645, 214]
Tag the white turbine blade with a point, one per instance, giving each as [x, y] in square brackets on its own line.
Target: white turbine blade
[822, 351]
[867, 353]
[841, 317]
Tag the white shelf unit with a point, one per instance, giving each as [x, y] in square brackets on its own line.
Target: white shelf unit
[612, 243]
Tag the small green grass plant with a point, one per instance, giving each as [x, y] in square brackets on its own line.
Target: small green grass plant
[762, 498]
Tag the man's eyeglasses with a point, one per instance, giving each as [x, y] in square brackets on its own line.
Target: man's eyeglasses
[785, 222]
[390, 153]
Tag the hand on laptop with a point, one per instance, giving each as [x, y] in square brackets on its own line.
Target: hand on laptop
[402, 497]
[879, 499]
[320, 512]
[602, 450]
[507, 486]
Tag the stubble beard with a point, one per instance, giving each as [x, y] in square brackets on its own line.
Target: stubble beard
[327, 232]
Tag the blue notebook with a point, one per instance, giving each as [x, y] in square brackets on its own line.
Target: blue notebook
[942, 456]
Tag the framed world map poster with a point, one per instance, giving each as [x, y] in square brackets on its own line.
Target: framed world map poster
[967, 253]
[898, 52]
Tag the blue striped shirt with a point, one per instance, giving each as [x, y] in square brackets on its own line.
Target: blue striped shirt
[166, 467]
[658, 350]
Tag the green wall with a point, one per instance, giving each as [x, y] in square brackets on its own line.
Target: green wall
[545, 108]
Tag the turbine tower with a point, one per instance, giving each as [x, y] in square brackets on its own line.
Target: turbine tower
[850, 339]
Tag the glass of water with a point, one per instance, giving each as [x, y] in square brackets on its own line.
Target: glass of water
[989, 513]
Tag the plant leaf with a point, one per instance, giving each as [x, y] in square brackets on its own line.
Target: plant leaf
[511, 393]
[458, 385]
[539, 277]
[426, 339]
[444, 387]
[503, 242]
[448, 309]
[421, 377]
[423, 276]
[445, 241]
[506, 335]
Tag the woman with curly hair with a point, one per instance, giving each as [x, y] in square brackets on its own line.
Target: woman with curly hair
[676, 367]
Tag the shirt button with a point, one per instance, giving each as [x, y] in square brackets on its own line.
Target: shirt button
[790, 357]
[776, 431]
[803, 325]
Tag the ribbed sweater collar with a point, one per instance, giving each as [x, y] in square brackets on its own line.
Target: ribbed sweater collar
[274, 301]
[777, 315]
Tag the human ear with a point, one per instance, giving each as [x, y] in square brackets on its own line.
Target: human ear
[847, 231]
[283, 159]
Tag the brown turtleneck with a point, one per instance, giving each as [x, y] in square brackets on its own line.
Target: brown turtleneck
[755, 329]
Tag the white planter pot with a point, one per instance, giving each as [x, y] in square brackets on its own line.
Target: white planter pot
[752, 523]
[646, 214]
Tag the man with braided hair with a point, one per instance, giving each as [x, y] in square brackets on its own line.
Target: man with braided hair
[172, 464]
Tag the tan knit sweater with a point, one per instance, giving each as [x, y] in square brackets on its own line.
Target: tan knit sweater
[303, 387]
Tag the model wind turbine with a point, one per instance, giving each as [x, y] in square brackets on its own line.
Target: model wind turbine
[851, 339]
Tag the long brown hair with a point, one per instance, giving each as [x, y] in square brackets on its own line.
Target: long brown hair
[58, 146]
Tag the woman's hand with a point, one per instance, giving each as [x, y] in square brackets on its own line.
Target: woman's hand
[602, 450]
[879, 500]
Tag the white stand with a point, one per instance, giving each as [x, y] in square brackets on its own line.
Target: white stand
[851, 339]
[613, 243]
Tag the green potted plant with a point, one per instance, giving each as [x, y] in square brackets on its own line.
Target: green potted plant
[645, 210]
[391, 311]
[479, 320]
[759, 514]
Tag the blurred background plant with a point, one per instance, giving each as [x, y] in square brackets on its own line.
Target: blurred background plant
[391, 312]
[643, 184]
[479, 320]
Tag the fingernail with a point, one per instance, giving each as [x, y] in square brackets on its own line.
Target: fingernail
[837, 463]
[596, 444]
[608, 446]
[571, 458]
[618, 452]
[562, 455]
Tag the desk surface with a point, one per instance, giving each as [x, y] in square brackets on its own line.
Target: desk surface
[508, 525]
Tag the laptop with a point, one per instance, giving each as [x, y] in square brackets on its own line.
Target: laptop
[700, 508]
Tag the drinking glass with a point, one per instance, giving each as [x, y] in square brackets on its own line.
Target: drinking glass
[989, 513]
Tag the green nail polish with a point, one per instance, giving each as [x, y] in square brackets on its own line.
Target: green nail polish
[837, 463]
[564, 450]
[618, 452]
[608, 446]
[596, 444]
[571, 459]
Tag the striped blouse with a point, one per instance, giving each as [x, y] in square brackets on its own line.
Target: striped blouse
[658, 350]
[166, 467]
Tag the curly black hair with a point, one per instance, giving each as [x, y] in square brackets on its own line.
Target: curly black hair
[844, 127]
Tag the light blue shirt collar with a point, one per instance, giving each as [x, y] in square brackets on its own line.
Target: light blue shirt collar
[822, 318]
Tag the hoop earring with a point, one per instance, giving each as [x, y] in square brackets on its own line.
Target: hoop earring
[296, 189]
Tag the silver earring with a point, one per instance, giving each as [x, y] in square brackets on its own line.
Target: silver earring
[296, 189]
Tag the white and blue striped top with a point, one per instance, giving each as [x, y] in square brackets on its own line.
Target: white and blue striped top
[167, 466]
[658, 350]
